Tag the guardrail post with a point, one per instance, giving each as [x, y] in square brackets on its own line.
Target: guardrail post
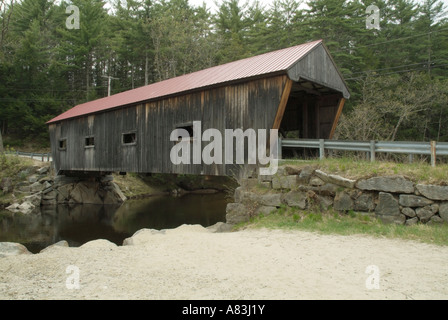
[279, 149]
[321, 149]
[372, 150]
[433, 153]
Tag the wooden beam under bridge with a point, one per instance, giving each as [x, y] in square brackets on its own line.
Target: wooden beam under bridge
[336, 118]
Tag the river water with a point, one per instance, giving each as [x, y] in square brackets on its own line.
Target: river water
[82, 223]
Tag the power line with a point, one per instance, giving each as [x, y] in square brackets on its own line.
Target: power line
[392, 40]
[395, 67]
[34, 100]
[400, 71]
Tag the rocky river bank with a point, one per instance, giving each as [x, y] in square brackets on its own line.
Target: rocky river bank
[41, 188]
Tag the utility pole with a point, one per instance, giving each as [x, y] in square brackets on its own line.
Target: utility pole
[429, 53]
[108, 83]
[1, 142]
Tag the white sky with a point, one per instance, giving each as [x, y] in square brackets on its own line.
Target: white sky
[267, 3]
[211, 3]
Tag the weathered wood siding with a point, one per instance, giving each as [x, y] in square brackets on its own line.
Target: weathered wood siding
[252, 104]
[319, 67]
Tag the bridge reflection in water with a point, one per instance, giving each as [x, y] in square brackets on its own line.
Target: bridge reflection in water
[79, 224]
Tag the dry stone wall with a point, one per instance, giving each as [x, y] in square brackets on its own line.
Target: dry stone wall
[393, 199]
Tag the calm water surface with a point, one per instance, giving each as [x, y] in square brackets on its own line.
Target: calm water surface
[82, 223]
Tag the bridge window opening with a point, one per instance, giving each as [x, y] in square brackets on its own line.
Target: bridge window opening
[90, 142]
[129, 138]
[62, 144]
[188, 127]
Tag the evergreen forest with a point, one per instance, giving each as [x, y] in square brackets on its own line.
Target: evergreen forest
[57, 54]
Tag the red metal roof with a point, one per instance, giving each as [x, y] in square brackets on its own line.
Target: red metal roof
[263, 64]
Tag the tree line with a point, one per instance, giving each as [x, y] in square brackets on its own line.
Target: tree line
[397, 73]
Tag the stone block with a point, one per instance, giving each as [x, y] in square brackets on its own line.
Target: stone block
[364, 202]
[270, 199]
[433, 192]
[238, 194]
[328, 189]
[236, 213]
[324, 202]
[292, 170]
[265, 210]
[34, 199]
[410, 200]
[435, 219]
[387, 205]
[59, 244]
[49, 195]
[284, 182]
[316, 182]
[296, 199]
[409, 212]
[85, 192]
[33, 178]
[12, 249]
[305, 175]
[36, 187]
[43, 170]
[343, 202]
[265, 184]
[424, 213]
[63, 193]
[26, 189]
[395, 184]
[443, 211]
[335, 179]
[412, 221]
[26, 207]
[218, 227]
[435, 208]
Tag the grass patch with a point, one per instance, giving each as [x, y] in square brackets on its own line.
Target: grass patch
[134, 186]
[420, 172]
[353, 223]
[14, 168]
[11, 165]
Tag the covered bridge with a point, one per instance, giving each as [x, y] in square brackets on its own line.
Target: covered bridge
[295, 89]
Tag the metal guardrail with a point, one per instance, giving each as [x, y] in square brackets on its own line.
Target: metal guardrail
[431, 148]
[44, 157]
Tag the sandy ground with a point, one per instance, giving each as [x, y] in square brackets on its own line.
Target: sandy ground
[190, 262]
